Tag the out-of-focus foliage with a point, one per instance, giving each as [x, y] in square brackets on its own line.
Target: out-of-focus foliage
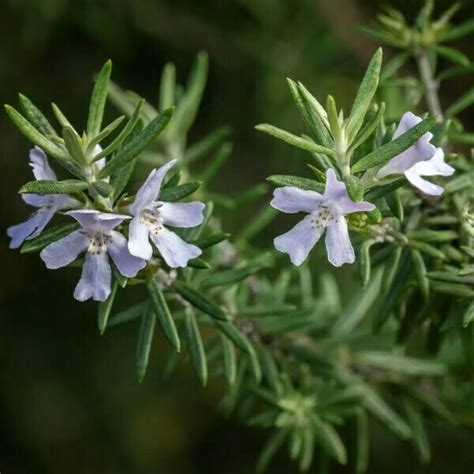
[335, 370]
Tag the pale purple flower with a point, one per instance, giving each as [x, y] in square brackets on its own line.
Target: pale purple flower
[151, 216]
[47, 204]
[325, 212]
[98, 240]
[421, 159]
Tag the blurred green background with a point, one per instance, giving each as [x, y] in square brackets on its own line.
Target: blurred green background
[69, 400]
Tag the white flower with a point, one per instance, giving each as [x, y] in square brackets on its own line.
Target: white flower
[47, 204]
[151, 217]
[421, 159]
[324, 212]
[98, 239]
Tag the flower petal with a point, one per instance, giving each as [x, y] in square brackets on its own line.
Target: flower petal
[138, 243]
[421, 150]
[299, 241]
[37, 200]
[290, 199]
[434, 167]
[92, 219]
[182, 214]
[127, 264]
[423, 185]
[64, 201]
[336, 193]
[40, 165]
[150, 189]
[30, 228]
[338, 243]
[174, 250]
[95, 279]
[65, 250]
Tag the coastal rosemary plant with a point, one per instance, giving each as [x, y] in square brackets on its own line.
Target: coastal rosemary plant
[388, 190]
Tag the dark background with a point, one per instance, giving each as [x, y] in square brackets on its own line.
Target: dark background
[69, 400]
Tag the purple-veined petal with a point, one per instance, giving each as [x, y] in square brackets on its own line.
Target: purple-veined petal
[338, 243]
[423, 185]
[299, 241]
[290, 199]
[95, 279]
[30, 228]
[37, 200]
[65, 250]
[174, 250]
[434, 167]
[39, 164]
[64, 201]
[95, 220]
[150, 189]
[336, 193]
[182, 214]
[138, 242]
[127, 264]
[421, 150]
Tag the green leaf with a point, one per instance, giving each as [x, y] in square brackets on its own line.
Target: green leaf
[468, 317]
[355, 187]
[104, 134]
[395, 204]
[230, 359]
[452, 55]
[419, 438]
[210, 240]
[161, 310]
[455, 32]
[365, 94]
[104, 188]
[199, 263]
[35, 116]
[145, 339]
[401, 364]
[365, 265]
[379, 408]
[98, 99]
[74, 145]
[48, 237]
[45, 186]
[461, 104]
[380, 191]
[426, 235]
[392, 66]
[134, 147]
[258, 223]
[390, 269]
[362, 442]
[60, 117]
[428, 249]
[294, 140]
[124, 134]
[330, 440]
[216, 162]
[242, 342]
[188, 106]
[167, 87]
[199, 301]
[176, 193]
[296, 181]
[120, 178]
[32, 134]
[234, 275]
[195, 346]
[420, 270]
[205, 146]
[366, 132]
[105, 307]
[333, 119]
[393, 148]
[313, 113]
[273, 444]
[129, 314]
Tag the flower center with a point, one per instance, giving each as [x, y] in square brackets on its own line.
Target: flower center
[97, 242]
[150, 216]
[322, 216]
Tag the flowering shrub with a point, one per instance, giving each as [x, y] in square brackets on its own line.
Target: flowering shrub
[296, 362]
